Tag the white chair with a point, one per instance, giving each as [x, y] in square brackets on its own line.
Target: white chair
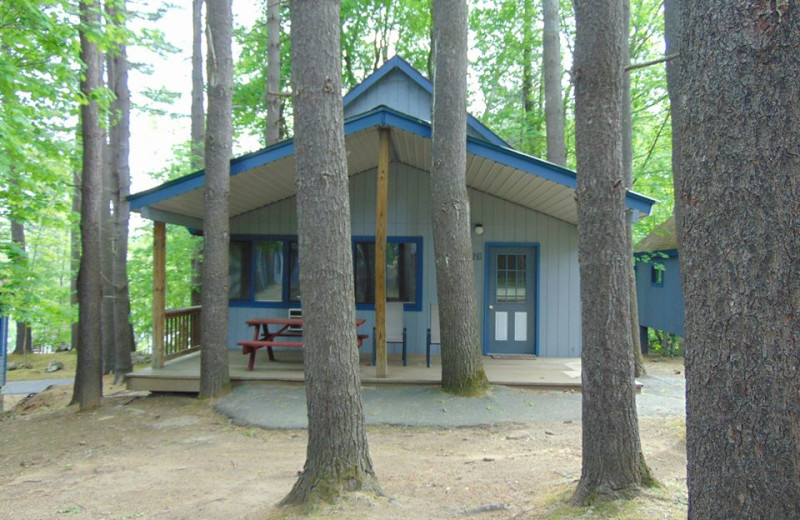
[395, 328]
[434, 334]
[296, 314]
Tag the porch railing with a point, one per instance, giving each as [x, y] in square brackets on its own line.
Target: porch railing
[182, 333]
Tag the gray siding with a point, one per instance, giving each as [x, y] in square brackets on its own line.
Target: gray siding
[409, 215]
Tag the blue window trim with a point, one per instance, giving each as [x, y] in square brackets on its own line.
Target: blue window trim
[487, 260]
[413, 307]
[285, 303]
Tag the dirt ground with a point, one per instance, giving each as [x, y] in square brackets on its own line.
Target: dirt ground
[172, 457]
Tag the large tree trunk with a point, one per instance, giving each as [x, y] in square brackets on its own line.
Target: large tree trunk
[553, 106]
[23, 340]
[613, 464]
[337, 459]
[737, 197]
[462, 366]
[120, 169]
[214, 375]
[627, 168]
[198, 128]
[88, 389]
[273, 128]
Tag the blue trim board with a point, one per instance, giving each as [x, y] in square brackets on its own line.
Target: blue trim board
[380, 117]
[655, 255]
[487, 261]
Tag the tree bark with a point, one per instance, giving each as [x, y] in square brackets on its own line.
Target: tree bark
[198, 128]
[273, 128]
[75, 254]
[23, 343]
[121, 175]
[613, 464]
[214, 375]
[337, 459]
[527, 74]
[553, 104]
[88, 389]
[737, 197]
[107, 256]
[627, 168]
[462, 366]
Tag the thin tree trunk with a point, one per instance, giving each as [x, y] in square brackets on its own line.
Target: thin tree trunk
[75, 253]
[120, 151]
[88, 389]
[613, 464]
[553, 104]
[23, 340]
[337, 459]
[627, 168]
[198, 129]
[107, 257]
[273, 128]
[214, 375]
[737, 198]
[527, 74]
[462, 366]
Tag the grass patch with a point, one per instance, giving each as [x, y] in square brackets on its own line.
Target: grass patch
[667, 503]
[39, 362]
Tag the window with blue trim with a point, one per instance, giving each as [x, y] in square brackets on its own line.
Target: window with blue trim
[657, 274]
[264, 271]
[403, 270]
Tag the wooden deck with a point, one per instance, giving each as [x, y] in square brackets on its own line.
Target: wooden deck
[183, 374]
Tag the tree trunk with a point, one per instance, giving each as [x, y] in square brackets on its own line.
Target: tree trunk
[337, 459]
[553, 105]
[214, 376]
[88, 389]
[613, 464]
[120, 168]
[75, 254]
[273, 128]
[23, 341]
[627, 168]
[198, 128]
[462, 366]
[737, 197]
[527, 74]
[107, 257]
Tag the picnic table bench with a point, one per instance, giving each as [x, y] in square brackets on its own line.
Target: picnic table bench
[263, 337]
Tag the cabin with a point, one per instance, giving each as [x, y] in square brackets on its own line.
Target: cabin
[523, 223]
[659, 292]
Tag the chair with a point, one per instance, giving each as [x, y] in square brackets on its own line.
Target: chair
[395, 329]
[434, 334]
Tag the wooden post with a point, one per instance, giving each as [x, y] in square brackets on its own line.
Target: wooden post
[159, 291]
[381, 212]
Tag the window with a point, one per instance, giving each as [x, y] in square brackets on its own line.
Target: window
[511, 274]
[239, 270]
[268, 270]
[657, 274]
[403, 270]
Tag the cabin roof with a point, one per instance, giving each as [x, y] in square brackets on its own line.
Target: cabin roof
[267, 176]
[663, 237]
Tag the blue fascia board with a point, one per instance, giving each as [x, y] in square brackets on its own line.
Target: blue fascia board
[386, 117]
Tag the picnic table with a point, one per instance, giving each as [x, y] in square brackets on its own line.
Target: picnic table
[267, 331]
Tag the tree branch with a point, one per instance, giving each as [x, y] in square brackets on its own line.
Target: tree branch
[651, 62]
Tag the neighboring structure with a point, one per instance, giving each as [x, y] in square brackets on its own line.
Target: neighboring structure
[523, 215]
[658, 281]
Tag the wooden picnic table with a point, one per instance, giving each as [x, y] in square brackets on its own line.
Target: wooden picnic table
[266, 332]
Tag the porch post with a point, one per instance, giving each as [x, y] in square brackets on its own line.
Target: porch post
[159, 291]
[381, 211]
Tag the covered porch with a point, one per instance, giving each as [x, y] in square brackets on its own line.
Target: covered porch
[182, 374]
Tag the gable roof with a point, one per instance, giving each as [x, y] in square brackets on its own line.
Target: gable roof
[398, 64]
[267, 176]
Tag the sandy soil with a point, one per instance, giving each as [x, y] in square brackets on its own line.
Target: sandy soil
[168, 456]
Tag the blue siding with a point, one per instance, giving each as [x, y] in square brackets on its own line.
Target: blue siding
[409, 215]
[660, 306]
